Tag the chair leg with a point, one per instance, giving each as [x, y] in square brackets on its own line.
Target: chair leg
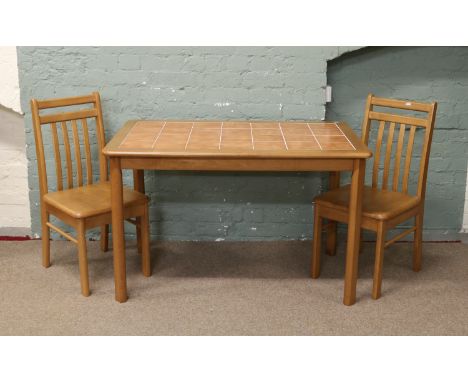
[105, 238]
[45, 240]
[333, 182]
[145, 243]
[361, 241]
[417, 250]
[139, 185]
[379, 256]
[83, 258]
[315, 264]
[138, 234]
[331, 238]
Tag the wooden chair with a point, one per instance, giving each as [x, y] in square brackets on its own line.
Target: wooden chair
[386, 206]
[81, 206]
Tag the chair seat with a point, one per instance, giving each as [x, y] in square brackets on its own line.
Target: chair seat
[376, 204]
[91, 200]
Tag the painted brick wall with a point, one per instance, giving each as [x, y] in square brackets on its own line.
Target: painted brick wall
[14, 202]
[14, 199]
[184, 83]
[9, 87]
[424, 74]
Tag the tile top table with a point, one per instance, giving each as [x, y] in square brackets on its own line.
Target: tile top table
[236, 146]
[236, 138]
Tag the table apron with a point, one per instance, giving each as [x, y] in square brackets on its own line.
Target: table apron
[236, 164]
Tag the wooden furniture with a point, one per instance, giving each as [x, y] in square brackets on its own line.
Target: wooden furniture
[236, 146]
[387, 205]
[83, 205]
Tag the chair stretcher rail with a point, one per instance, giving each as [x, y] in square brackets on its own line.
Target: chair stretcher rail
[63, 233]
[399, 236]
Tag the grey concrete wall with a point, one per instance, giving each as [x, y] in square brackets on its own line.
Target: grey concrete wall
[185, 83]
[425, 74]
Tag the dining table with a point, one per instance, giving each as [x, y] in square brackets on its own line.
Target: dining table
[246, 145]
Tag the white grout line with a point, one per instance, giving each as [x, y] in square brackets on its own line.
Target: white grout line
[316, 140]
[188, 139]
[284, 139]
[160, 132]
[251, 136]
[221, 136]
[345, 136]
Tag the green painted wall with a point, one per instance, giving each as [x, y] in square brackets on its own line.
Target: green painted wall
[258, 83]
[425, 74]
[185, 83]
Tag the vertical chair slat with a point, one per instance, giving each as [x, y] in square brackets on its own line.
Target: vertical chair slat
[375, 172]
[89, 168]
[76, 143]
[396, 171]
[388, 156]
[66, 143]
[409, 151]
[58, 159]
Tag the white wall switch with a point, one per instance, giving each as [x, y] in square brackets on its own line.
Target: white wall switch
[328, 93]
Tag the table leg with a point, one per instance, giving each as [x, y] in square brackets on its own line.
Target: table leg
[139, 185]
[333, 182]
[354, 230]
[118, 241]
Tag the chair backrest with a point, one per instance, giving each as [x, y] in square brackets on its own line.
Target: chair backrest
[400, 120]
[65, 120]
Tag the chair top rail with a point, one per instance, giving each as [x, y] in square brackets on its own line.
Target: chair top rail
[68, 116]
[377, 116]
[402, 104]
[69, 101]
